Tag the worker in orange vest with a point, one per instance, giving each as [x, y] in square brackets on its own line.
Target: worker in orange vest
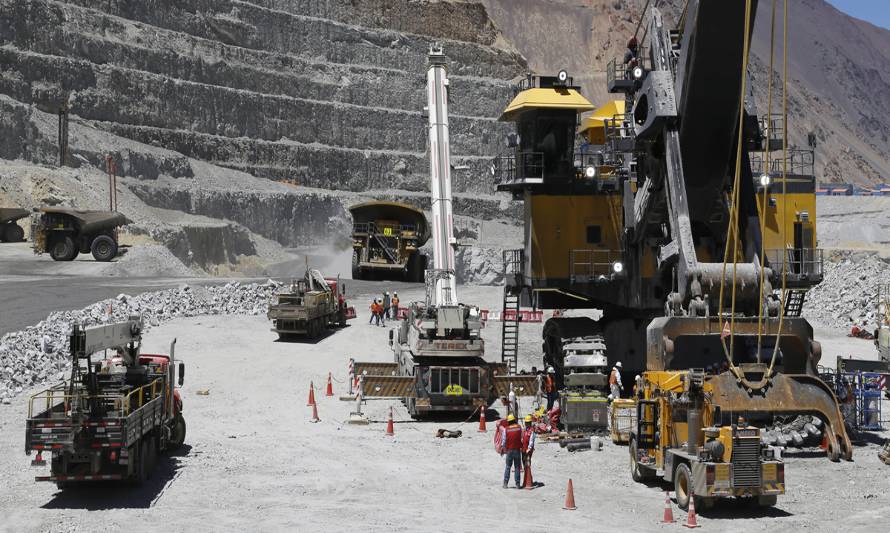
[394, 309]
[550, 387]
[511, 446]
[376, 313]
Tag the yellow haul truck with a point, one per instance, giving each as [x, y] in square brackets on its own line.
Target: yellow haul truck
[386, 241]
[681, 436]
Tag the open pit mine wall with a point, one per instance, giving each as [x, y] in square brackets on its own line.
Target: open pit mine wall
[327, 94]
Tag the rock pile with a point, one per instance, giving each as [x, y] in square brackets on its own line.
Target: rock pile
[39, 354]
[848, 295]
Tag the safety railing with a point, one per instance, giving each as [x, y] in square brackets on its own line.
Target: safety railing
[452, 380]
[386, 230]
[620, 133]
[620, 75]
[513, 260]
[141, 396]
[607, 166]
[796, 263]
[121, 405]
[518, 168]
[772, 127]
[859, 397]
[587, 265]
[799, 162]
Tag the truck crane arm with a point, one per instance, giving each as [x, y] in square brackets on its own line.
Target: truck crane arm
[444, 292]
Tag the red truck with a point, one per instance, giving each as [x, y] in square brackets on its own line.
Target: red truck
[114, 416]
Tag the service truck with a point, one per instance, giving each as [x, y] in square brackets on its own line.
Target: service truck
[118, 411]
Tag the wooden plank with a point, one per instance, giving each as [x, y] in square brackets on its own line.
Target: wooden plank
[523, 385]
[388, 387]
[376, 369]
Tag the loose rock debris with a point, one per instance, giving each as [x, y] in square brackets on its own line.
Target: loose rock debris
[39, 354]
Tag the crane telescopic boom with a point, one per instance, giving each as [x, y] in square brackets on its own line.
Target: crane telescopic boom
[444, 293]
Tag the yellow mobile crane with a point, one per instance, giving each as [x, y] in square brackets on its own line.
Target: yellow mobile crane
[670, 215]
[681, 438]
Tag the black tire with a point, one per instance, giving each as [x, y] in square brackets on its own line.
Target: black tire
[682, 485]
[766, 501]
[62, 248]
[356, 270]
[416, 267]
[412, 408]
[140, 469]
[14, 233]
[104, 248]
[177, 432]
[152, 452]
[638, 473]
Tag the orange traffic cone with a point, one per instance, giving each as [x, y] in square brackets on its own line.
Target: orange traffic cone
[311, 394]
[315, 414]
[482, 420]
[570, 497]
[691, 520]
[529, 483]
[390, 430]
[330, 391]
[668, 509]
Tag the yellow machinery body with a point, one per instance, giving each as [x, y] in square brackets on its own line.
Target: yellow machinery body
[680, 436]
[790, 216]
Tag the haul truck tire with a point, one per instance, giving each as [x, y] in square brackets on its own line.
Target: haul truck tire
[62, 248]
[104, 248]
[13, 233]
[356, 270]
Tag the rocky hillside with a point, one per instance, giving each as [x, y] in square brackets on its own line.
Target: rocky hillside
[195, 99]
[839, 68]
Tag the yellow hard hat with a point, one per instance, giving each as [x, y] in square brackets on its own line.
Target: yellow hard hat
[510, 418]
[528, 418]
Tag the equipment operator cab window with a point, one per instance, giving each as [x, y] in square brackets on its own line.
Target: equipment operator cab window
[594, 235]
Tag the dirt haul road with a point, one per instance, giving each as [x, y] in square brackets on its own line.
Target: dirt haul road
[254, 461]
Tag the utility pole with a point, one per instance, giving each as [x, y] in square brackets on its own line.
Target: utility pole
[63, 134]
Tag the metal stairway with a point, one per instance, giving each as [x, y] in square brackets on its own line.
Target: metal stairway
[510, 331]
[794, 302]
[386, 243]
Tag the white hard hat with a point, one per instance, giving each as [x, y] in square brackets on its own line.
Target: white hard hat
[550, 370]
[618, 364]
[637, 376]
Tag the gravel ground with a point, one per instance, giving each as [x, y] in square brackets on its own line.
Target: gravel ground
[253, 460]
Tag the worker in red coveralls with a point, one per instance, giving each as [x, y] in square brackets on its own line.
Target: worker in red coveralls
[529, 439]
[553, 417]
[510, 444]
